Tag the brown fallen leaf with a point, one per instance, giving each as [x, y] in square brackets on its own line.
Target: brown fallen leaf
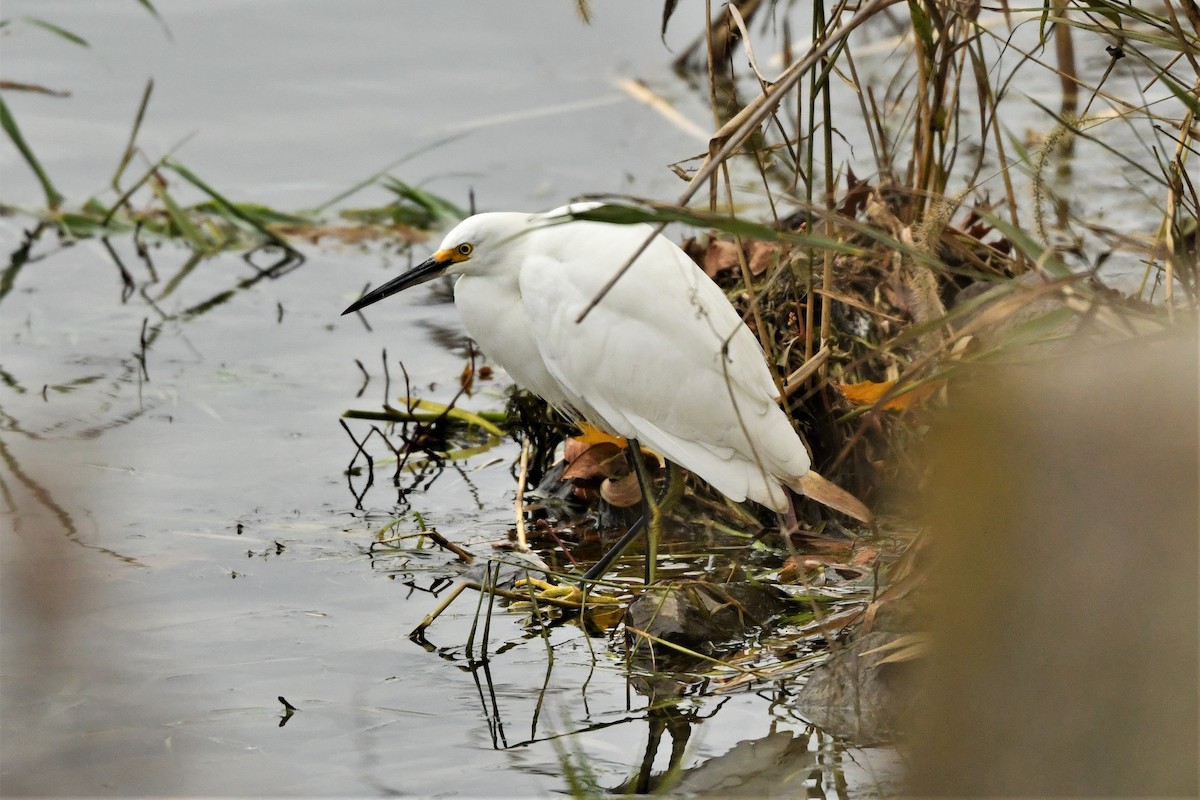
[909, 647]
[857, 194]
[829, 569]
[763, 256]
[584, 461]
[720, 255]
[865, 555]
[816, 487]
[349, 233]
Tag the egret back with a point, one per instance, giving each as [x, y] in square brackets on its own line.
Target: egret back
[664, 357]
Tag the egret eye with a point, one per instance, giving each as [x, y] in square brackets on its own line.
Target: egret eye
[465, 249]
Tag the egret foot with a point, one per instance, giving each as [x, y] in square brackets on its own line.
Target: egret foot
[590, 434]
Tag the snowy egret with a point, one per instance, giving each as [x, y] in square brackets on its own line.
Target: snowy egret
[663, 360]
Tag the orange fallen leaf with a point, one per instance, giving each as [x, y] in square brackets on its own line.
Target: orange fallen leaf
[868, 393]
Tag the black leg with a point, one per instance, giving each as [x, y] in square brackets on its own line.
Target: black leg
[651, 511]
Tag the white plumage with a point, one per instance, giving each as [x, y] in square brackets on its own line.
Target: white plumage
[664, 358]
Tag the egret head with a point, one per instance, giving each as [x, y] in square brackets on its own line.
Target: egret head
[476, 245]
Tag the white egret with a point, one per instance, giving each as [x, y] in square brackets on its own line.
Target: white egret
[664, 359]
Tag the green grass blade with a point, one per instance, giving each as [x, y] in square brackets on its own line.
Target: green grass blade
[186, 269]
[374, 178]
[469, 417]
[228, 207]
[133, 133]
[628, 215]
[436, 208]
[57, 31]
[263, 215]
[147, 175]
[146, 4]
[1186, 96]
[180, 219]
[1047, 261]
[53, 198]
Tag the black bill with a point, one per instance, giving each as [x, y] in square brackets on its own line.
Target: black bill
[425, 271]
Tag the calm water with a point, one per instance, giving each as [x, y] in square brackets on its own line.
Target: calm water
[181, 546]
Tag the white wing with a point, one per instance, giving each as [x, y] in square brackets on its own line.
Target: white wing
[664, 358]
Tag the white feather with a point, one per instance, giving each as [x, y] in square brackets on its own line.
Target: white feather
[664, 358]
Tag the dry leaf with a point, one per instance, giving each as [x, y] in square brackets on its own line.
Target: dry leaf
[868, 393]
[763, 256]
[865, 556]
[858, 192]
[574, 447]
[604, 460]
[719, 255]
[814, 486]
[908, 647]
